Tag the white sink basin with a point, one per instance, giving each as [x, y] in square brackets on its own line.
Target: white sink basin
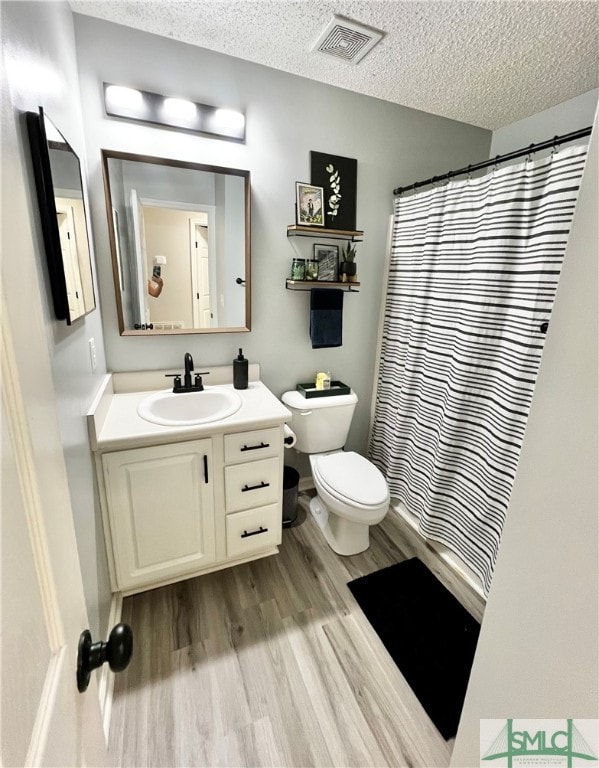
[185, 409]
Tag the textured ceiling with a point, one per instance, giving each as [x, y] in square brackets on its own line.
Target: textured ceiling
[485, 63]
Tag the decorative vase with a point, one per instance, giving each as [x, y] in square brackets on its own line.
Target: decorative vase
[347, 271]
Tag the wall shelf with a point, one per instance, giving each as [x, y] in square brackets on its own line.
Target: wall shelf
[296, 230]
[354, 236]
[307, 285]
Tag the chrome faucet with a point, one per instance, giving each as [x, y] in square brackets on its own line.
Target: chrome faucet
[186, 385]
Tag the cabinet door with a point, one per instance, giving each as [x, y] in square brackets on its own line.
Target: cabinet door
[161, 510]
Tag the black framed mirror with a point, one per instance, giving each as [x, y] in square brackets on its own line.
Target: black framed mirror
[62, 207]
[180, 242]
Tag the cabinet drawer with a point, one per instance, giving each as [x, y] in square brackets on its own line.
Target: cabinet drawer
[253, 530]
[249, 446]
[252, 484]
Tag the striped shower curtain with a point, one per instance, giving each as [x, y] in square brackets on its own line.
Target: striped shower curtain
[473, 274]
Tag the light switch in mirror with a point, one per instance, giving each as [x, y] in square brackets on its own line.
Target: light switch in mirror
[63, 216]
[180, 241]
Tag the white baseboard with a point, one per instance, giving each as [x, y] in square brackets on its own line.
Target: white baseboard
[106, 685]
[305, 483]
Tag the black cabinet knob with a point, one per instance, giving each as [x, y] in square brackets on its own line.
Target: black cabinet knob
[116, 651]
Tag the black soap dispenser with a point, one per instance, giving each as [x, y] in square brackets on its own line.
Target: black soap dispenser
[240, 371]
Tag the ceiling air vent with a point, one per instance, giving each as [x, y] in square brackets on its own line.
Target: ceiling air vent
[347, 40]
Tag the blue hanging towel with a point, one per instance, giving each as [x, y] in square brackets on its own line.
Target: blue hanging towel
[326, 317]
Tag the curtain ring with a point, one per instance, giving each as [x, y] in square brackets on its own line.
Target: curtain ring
[530, 154]
[434, 181]
[496, 164]
[554, 147]
[469, 175]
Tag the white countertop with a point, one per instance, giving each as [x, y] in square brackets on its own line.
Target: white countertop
[117, 426]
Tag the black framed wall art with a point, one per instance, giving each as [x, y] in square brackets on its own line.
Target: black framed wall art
[338, 176]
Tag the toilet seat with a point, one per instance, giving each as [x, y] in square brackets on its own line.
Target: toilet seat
[351, 479]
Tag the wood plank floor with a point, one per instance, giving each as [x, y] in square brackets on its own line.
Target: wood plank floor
[272, 663]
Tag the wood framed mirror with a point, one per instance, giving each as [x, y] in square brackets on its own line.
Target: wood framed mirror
[62, 205]
[180, 243]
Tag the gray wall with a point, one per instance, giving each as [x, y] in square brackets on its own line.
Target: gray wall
[178, 185]
[39, 46]
[569, 116]
[537, 653]
[287, 116]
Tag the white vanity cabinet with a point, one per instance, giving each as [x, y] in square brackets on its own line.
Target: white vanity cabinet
[160, 506]
[182, 501]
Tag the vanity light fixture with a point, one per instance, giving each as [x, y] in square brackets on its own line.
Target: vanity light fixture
[172, 112]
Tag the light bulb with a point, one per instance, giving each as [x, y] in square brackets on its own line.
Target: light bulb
[180, 109]
[229, 118]
[125, 98]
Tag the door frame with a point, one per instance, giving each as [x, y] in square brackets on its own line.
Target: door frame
[53, 550]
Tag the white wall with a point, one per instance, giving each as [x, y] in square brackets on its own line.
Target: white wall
[569, 116]
[287, 116]
[40, 69]
[537, 653]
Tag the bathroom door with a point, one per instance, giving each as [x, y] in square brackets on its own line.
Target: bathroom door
[200, 270]
[44, 720]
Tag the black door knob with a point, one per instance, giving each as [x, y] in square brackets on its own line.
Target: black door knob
[117, 652]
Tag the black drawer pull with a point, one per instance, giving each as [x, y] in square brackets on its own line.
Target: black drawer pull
[254, 487]
[254, 447]
[205, 468]
[245, 534]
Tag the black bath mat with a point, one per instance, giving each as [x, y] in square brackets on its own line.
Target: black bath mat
[428, 633]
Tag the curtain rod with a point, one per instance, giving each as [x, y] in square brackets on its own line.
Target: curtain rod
[501, 158]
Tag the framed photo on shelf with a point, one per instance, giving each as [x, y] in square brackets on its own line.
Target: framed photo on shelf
[309, 211]
[327, 257]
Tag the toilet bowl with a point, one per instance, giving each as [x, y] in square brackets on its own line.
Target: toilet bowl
[352, 496]
[352, 493]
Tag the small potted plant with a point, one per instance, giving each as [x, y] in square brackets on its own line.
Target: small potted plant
[347, 267]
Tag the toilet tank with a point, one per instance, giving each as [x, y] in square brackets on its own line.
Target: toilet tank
[320, 423]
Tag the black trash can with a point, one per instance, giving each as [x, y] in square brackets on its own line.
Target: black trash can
[290, 484]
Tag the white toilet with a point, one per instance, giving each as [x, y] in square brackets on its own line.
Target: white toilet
[352, 492]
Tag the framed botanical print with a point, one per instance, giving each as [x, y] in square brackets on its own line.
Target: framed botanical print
[309, 205]
[327, 257]
[338, 177]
